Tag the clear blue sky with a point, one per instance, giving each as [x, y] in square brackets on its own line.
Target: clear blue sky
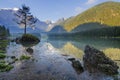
[53, 9]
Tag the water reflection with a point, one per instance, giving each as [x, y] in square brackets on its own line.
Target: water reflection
[50, 61]
[100, 43]
[113, 53]
[29, 44]
[57, 43]
[71, 50]
[75, 48]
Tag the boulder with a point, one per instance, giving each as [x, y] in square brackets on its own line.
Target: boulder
[17, 40]
[96, 61]
[29, 50]
[77, 66]
[71, 59]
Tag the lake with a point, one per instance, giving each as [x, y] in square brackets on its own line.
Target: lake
[49, 59]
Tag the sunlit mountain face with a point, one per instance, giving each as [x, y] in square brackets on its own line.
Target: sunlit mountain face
[7, 18]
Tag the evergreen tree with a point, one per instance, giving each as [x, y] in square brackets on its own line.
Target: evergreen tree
[24, 18]
[4, 32]
[8, 32]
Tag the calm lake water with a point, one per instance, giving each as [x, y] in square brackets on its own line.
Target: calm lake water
[49, 59]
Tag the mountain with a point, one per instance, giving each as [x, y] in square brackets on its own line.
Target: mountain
[52, 25]
[7, 18]
[57, 29]
[88, 26]
[107, 13]
[48, 22]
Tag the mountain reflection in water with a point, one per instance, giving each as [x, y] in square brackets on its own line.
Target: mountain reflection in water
[49, 59]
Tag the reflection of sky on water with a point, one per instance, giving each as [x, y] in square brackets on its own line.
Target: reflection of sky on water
[50, 62]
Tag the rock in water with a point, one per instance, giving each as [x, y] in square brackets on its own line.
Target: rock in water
[29, 50]
[77, 66]
[96, 61]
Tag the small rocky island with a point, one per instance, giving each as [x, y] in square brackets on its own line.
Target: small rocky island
[26, 39]
[29, 38]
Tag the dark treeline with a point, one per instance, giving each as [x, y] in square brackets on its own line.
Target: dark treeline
[4, 32]
[102, 32]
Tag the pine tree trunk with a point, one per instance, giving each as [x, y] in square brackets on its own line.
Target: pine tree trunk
[25, 30]
[25, 24]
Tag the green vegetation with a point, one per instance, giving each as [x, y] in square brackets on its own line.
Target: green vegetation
[29, 38]
[99, 21]
[2, 61]
[5, 67]
[4, 32]
[25, 57]
[3, 45]
[2, 56]
[88, 26]
[91, 31]
[102, 32]
[26, 18]
[106, 13]
[1, 51]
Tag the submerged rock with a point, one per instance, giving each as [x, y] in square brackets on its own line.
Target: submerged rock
[77, 66]
[29, 50]
[96, 61]
[71, 59]
[17, 40]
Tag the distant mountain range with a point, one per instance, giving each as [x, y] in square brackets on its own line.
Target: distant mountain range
[7, 19]
[102, 20]
[107, 13]
[101, 16]
[52, 25]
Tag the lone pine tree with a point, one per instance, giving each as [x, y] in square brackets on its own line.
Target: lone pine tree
[24, 18]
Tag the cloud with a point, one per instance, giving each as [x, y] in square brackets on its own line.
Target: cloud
[90, 1]
[79, 10]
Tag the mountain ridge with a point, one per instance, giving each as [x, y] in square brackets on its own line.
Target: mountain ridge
[57, 29]
[7, 19]
[99, 13]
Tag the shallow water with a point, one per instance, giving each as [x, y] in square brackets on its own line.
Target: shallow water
[49, 60]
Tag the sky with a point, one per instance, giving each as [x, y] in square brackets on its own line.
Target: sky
[53, 9]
